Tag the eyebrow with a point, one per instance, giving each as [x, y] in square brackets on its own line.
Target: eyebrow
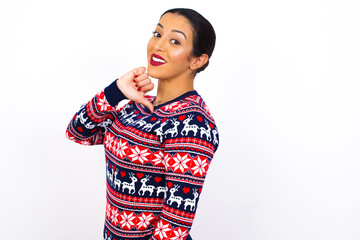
[174, 30]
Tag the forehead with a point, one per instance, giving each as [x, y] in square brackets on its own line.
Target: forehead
[171, 21]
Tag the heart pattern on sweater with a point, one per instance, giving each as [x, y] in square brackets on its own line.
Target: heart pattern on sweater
[186, 190]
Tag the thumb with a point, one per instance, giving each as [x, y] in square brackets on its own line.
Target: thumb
[147, 104]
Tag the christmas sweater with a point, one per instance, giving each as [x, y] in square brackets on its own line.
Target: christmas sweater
[156, 163]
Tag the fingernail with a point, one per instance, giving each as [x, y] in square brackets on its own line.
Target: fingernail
[136, 85]
[136, 76]
[139, 89]
[134, 80]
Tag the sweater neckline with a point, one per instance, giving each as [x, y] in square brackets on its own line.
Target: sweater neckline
[183, 96]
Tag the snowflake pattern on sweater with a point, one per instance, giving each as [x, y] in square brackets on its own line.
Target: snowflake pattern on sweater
[156, 163]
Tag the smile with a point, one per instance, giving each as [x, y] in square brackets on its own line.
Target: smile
[157, 60]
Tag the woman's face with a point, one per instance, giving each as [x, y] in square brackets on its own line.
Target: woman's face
[170, 48]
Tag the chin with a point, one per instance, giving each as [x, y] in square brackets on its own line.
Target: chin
[153, 72]
[150, 71]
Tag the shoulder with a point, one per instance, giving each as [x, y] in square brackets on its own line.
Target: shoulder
[192, 121]
[193, 105]
[198, 105]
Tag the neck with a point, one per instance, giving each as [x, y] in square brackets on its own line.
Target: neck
[169, 89]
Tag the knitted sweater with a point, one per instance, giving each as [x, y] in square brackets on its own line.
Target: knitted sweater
[156, 163]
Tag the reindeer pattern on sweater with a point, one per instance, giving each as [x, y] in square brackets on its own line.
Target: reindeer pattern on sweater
[156, 163]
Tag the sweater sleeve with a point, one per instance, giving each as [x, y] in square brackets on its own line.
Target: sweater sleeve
[90, 123]
[190, 141]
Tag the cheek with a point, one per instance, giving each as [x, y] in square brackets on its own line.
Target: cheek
[180, 55]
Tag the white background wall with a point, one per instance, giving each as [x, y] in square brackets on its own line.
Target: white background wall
[283, 87]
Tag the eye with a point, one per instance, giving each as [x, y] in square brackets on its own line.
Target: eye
[156, 34]
[174, 41]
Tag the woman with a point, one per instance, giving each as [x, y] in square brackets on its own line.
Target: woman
[158, 149]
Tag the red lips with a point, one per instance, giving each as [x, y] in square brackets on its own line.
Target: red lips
[157, 60]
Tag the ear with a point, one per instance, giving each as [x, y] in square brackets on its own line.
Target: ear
[198, 62]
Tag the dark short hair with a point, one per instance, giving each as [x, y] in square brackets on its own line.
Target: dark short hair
[203, 31]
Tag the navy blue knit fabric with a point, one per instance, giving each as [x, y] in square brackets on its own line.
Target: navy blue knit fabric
[156, 163]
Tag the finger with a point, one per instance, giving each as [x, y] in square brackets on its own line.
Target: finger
[138, 71]
[147, 87]
[141, 77]
[143, 83]
[147, 104]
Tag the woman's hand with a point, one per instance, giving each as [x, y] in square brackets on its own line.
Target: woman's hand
[135, 84]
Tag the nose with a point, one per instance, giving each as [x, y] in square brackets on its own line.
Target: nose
[160, 44]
